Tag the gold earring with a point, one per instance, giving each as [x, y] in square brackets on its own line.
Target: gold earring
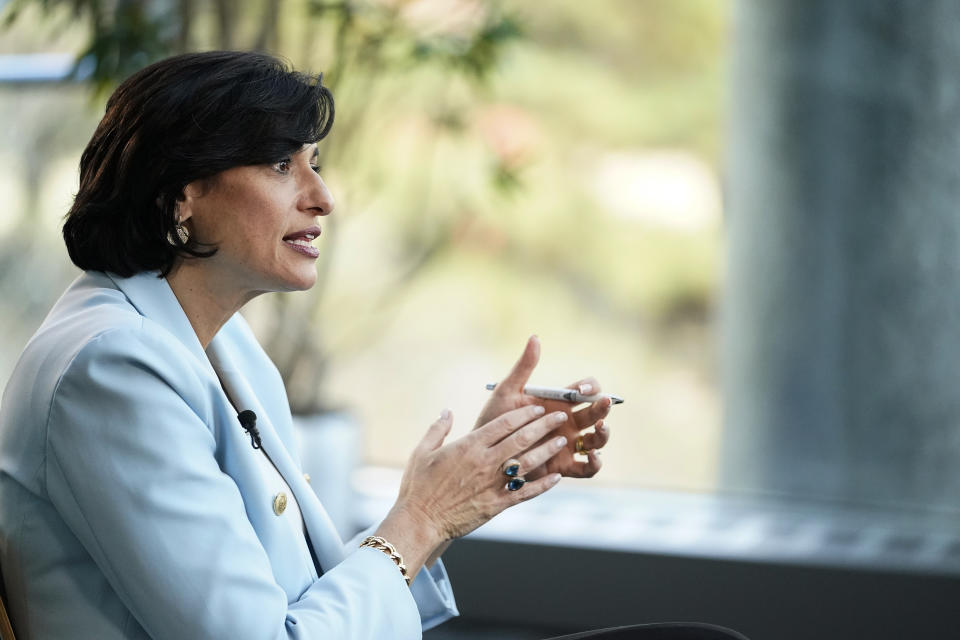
[182, 233]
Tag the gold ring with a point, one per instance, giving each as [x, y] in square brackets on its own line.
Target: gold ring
[511, 468]
[580, 447]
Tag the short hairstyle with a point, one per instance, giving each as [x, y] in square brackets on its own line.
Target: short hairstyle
[183, 119]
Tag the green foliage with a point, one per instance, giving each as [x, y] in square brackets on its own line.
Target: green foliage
[477, 55]
[128, 42]
[14, 8]
[369, 35]
[119, 42]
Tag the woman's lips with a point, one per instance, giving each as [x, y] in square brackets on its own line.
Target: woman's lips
[300, 241]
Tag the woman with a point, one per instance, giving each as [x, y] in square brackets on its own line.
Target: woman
[149, 486]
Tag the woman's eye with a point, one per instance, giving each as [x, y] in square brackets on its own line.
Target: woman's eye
[283, 166]
[316, 168]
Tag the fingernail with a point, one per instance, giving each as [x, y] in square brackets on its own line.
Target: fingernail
[560, 442]
[538, 410]
[602, 428]
[445, 414]
[558, 417]
[586, 388]
[554, 478]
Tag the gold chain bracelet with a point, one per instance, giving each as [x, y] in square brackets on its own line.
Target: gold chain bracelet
[376, 542]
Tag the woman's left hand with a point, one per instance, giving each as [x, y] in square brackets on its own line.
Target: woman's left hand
[509, 395]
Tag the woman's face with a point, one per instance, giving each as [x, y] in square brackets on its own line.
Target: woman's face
[262, 220]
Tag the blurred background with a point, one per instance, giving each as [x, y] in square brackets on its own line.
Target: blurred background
[617, 177]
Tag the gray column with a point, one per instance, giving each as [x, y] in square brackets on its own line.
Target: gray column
[842, 308]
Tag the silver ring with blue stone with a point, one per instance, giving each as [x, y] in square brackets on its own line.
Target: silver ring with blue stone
[515, 484]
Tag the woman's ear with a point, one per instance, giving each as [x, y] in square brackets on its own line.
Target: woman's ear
[187, 201]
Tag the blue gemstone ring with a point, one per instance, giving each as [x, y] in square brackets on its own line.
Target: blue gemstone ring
[511, 468]
[516, 483]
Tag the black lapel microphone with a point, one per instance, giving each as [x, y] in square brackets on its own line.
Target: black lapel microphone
[248, 420]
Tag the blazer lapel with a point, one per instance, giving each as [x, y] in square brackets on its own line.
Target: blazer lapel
[326, 541]
[152, 296]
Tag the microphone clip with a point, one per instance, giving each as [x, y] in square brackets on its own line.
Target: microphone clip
[248, 420]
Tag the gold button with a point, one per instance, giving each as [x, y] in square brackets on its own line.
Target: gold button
[306, 477]
[280, 503]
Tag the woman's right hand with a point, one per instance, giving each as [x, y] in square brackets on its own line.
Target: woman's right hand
[449, 490]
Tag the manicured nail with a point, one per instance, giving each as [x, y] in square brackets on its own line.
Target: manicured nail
[445, 414]
[538, 410]
[602, 428]
[554, 478]
[560, 442]
[586, 388]
[558, 417]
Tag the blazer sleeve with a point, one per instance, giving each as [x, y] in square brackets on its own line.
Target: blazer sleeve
[431, 589]
[131, 467]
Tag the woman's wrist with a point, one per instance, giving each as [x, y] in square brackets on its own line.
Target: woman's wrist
[437, 552]
[384, 545]
[412, 537]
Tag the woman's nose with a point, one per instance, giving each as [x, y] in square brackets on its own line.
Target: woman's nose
[317, 197]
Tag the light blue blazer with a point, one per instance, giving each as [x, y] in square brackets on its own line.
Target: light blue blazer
[132, 504]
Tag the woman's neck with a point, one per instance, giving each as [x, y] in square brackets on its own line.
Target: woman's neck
[207, 300]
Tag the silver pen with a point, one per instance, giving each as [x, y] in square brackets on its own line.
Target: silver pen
[564, 395]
